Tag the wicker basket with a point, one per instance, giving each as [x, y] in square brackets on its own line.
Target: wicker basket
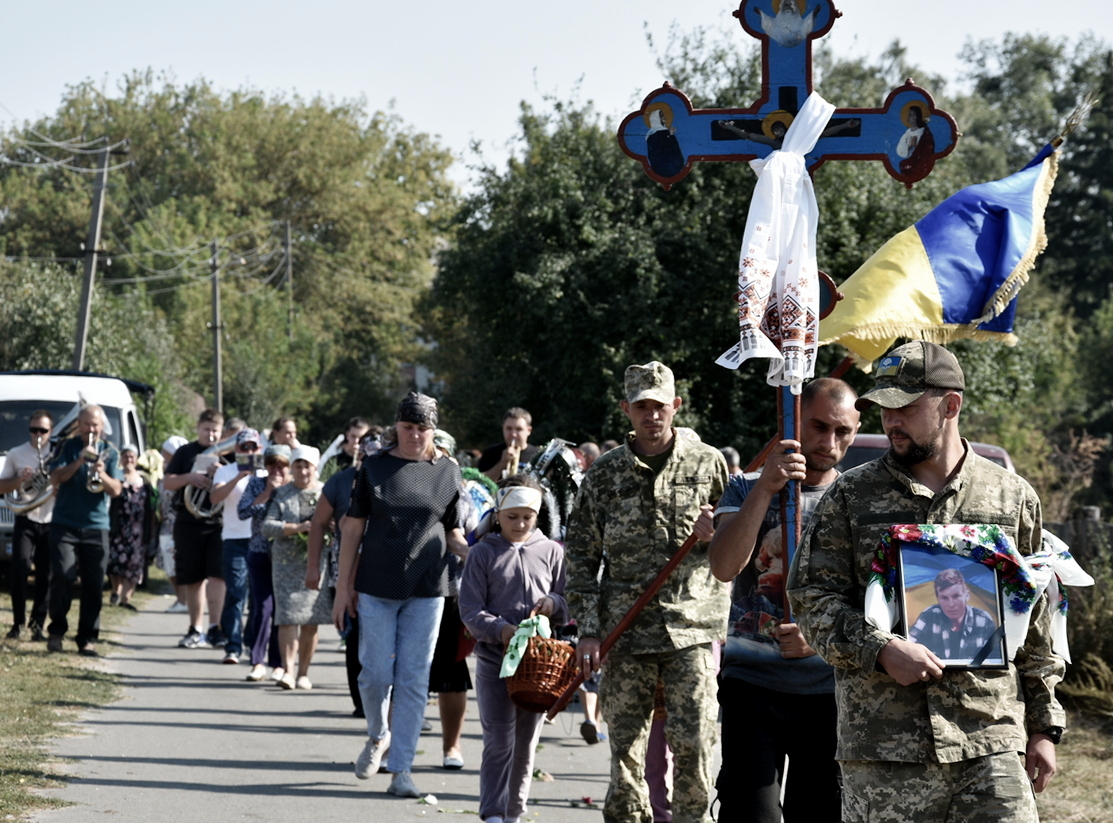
[546, 670]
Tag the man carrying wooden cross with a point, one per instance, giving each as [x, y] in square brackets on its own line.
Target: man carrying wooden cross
[778, 695]
[636, 506]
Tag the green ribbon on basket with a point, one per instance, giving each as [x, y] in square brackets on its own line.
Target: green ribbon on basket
[530, 627]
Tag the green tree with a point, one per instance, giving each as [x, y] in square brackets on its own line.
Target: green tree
[1080, 216]
[128, 338]
[363, 194]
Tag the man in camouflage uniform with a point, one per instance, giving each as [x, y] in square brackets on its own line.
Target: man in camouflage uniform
[636, 506]
[918, 742]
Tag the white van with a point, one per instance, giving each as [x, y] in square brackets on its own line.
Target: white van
[59, 392]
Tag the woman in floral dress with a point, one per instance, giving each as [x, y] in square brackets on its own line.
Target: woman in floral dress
[298, 610]
[132, 530]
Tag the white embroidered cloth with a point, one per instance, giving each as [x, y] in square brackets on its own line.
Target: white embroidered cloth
[778, 285]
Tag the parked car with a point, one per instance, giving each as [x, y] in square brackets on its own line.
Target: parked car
[867, 447]
[60, 392]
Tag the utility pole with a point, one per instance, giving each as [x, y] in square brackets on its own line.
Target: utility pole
[92, 245]
[289, 286]
[218, 371]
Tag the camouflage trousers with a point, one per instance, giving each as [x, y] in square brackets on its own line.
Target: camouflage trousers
[627, 695]
[985, 789]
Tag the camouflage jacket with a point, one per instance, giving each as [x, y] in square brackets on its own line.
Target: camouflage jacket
[966, 713]
[625, 526]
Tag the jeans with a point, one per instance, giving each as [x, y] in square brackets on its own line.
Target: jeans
[235, 580]
[30, 547]
[260, 617]
[396, 644]
[351, 661]
[75, 552]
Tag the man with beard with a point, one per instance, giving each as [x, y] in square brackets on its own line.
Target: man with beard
[777, 695]
[918, 742]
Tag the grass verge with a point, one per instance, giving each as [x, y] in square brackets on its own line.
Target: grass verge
[1082, 791]
[40, 693]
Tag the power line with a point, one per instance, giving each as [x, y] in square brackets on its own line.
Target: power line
[66, 145]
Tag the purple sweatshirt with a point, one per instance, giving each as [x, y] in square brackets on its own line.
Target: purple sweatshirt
[502, 584]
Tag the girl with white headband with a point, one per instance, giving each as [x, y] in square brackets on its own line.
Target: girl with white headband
[513, 573]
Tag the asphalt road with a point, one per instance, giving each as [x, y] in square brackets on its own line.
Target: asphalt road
[191, 740]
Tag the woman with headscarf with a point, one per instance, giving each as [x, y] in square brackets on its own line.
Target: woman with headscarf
[394, 572]
[298, 610]
[132, 515]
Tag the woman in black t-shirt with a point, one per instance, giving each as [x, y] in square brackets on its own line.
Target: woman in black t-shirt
[394, 574]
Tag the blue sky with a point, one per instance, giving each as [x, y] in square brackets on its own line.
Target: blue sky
[432, 61]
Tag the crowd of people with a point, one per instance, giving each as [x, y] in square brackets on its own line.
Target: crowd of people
[422, 559]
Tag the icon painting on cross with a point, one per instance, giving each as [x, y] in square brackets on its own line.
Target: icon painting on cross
[907, 133]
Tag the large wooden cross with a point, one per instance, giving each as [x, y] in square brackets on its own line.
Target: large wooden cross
[907, 133]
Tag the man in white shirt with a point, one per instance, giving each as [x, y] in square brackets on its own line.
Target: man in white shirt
[228, 485]
[31, 535]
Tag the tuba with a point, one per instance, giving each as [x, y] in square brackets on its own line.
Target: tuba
[36, 491]
[197, 501]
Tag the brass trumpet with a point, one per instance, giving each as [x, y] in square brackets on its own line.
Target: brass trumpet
[94, 482]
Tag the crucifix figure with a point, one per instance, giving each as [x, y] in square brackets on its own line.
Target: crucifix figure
[907, 133]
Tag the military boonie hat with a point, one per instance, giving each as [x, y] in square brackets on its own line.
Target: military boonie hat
[652, 381]
[909, 370]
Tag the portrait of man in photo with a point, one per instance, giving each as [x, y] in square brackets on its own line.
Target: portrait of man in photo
[954, 629]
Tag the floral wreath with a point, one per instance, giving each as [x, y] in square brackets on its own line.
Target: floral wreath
[984, 543]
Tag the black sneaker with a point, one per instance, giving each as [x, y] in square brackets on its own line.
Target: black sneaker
[37, 635]
[216, 637]
[13, 634]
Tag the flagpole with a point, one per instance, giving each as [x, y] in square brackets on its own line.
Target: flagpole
[788, 410]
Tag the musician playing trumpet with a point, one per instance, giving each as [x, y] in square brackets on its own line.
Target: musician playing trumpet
[503, 459]
[79, 529]
[31, 533]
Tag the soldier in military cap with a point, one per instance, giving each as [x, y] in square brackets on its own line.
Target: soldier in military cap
[918, 742]
[635, 508]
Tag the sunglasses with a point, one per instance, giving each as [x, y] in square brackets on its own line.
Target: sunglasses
[37, 430]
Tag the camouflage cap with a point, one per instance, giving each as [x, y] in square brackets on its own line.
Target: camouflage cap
[652, 381]
[909, 370]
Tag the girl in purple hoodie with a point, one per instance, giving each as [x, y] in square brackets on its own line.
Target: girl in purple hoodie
[513, 573]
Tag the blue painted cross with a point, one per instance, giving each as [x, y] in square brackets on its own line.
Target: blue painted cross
[907, 133]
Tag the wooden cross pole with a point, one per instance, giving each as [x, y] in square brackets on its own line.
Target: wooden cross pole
[907, 134]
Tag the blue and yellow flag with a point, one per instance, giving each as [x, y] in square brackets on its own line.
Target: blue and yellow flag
[954, 274]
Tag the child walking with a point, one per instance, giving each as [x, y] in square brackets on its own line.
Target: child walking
[513, 573]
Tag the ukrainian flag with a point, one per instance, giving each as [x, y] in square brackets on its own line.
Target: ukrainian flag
[956, 273]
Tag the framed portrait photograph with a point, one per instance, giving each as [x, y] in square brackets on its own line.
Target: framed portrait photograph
[952, 605]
